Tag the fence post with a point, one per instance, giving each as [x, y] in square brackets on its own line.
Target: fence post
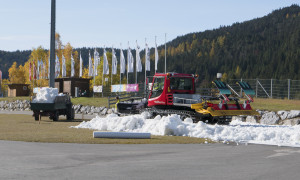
[289, 88]
[256, 87]
[271, 88]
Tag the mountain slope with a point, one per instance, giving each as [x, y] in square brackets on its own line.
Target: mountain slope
[267, 47]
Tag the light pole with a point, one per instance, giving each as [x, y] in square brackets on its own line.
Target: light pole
[52, 46]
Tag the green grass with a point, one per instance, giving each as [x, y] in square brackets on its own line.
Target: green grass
[97, 101]
[25, 128]
[9, 99]
[275, 104]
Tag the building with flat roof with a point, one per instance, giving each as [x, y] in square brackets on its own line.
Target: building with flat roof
[15, 90]
[73, 85]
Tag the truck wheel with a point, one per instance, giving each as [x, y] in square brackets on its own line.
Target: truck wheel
[70, 113]
[73, 114]
[56, 116]
[36, 115]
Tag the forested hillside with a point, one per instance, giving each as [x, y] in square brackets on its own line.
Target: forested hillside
[267, 47]
[7, 59]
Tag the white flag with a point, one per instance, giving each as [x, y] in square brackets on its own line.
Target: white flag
[114, 62]
[38, 70]
[64, 70]
[129, 61]
[48, 67]
[147, 50]
[90, 65]
[80, 70]
[138, 62]
[105, 63]
[156, 57]
[57, 67]
[122, 62]
[72, 66]
[96, 62]
[42, 69]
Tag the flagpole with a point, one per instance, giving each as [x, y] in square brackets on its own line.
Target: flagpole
[145, 66]
[136, 63]
[111, 66]
[155, 59]
[165, 52]
[102, 72]
[120, 65]
[94, 75]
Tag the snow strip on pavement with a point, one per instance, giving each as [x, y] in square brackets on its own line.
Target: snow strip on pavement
[236, 131]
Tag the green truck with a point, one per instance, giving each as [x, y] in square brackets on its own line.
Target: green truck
[62, 105]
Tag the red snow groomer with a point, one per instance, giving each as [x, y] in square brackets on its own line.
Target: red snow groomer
[174, 93]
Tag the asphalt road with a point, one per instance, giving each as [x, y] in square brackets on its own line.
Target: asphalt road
[23, 160]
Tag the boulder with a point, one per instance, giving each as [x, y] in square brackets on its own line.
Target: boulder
[294, 114]
[251, 119]
[87, 109]
[97, 110]
[269, 118]
[291, 122]
[109, 111]
[82, 109]
[104, 111]
[283, 114]
[238, 118]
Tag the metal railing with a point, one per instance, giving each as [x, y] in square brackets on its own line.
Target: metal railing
[271, 88]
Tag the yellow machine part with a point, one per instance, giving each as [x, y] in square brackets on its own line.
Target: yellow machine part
[199, 108]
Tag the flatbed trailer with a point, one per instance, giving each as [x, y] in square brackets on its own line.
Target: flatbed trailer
[62, 105]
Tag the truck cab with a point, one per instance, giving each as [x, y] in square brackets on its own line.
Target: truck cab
[171, 88]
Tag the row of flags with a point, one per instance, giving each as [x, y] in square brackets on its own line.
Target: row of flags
[130, 61]
[39, 70]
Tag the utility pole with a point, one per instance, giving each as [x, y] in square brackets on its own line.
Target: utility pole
[165, 52]
[52, 46]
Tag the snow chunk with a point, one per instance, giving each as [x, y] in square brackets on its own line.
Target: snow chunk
[46, 95]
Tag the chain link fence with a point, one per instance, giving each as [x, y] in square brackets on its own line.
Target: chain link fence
[264, 88]
[271, 88]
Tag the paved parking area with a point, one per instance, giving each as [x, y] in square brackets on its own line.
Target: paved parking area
[24, 160]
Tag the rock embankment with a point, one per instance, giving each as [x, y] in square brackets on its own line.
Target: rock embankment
[24, 105]
[266, 117]
[273, 118]
[18, 105]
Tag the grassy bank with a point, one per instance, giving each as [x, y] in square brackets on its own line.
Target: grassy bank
[275, 104]
[25, 128]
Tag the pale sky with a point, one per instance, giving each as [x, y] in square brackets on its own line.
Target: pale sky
[25, 24]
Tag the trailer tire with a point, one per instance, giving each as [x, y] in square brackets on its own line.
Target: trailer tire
[36, 115]
[56, 116]
[70, 113]
[73, 114]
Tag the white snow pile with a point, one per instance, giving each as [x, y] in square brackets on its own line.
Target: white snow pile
[46, 95]
[237, 131]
